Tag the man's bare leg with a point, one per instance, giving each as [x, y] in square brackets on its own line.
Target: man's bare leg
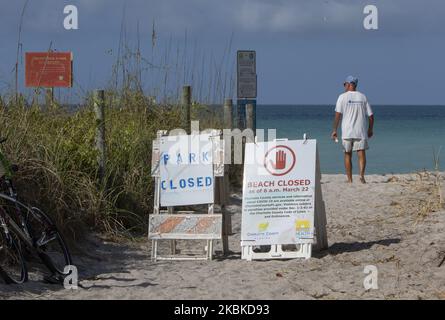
[362, 164]
[348, 165]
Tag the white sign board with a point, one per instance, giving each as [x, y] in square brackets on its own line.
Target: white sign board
[278, 193]
[246, 74]
[186, 169]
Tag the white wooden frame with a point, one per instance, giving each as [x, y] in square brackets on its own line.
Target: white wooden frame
[218, 170]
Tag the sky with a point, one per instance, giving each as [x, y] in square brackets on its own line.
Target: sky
[304, 48]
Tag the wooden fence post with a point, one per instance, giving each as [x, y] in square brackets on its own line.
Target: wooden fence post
[224, 187]
[99, 109]
[228, 114]
[187, 105]
[251, 118]
[49, 98]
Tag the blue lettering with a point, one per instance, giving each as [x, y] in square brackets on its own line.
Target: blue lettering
[165, 156]
[179, 159]
[192, 157]
[193, 182]
[205, 156]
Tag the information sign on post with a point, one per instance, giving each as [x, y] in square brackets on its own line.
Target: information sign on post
[246, 75]
[49, 69]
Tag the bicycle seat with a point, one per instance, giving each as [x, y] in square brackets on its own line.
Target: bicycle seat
[3, 140]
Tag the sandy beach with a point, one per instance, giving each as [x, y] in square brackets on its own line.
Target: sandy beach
[393, 222]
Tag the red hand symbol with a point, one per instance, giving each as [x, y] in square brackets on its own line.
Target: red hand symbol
[280, 161]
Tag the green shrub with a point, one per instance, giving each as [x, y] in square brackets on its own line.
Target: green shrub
[55, 151]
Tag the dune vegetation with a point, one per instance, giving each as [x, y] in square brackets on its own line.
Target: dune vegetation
[54, 148]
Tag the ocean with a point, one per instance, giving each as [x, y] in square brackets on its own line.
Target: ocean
[403, 142]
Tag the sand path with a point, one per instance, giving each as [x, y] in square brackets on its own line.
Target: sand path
[386, 223]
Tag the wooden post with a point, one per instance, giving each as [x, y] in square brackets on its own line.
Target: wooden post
[224, 187]
[251, 118]
[226, 218]
[186, 102]
[49, 98]
[187, 105]
[228, 114]
[241, 116]
[99, 109]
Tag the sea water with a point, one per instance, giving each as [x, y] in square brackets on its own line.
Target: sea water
[405, 137]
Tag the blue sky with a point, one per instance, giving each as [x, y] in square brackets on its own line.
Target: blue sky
[304, 48]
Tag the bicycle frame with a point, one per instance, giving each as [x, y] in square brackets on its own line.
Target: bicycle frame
[22, 233]
[15, 228]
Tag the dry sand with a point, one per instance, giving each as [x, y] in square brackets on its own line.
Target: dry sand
[393, 222]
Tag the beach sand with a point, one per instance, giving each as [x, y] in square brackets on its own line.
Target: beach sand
[394, 222]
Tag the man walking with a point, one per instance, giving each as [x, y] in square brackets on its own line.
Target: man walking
[354, 111]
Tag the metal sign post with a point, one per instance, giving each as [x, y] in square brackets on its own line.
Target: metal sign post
[242, 114]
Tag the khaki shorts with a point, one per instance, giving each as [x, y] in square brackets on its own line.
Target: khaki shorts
[350, 145]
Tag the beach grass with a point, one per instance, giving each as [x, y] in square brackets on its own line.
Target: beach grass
[54, 148]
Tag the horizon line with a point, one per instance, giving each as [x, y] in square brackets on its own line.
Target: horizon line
[307, 105]
[333, 104]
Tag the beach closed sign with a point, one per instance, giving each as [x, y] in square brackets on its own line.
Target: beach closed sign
[278, 193]
[186, 170]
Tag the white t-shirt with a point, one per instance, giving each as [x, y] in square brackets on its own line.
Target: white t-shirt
[355, 109]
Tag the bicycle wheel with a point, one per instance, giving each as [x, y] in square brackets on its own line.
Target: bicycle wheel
[12, 264]
[49, 242]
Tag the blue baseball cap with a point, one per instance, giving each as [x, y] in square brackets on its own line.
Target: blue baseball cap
[352, 79]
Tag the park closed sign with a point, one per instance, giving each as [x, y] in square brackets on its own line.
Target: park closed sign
[186, 170]
[279, 193]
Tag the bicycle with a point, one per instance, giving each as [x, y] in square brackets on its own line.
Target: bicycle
[12, 263]
[28, 228]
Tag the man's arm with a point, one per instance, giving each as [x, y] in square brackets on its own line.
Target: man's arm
[335, 126]
[371, 126]
[338, 114]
